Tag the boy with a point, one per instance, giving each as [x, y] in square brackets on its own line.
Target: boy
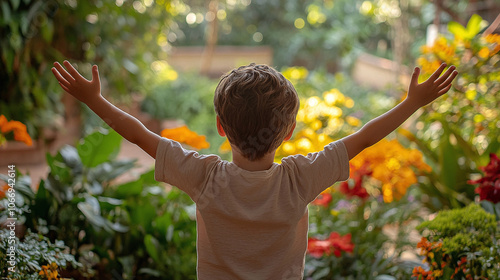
[252, 217]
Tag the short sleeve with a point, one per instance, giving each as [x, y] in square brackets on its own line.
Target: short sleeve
[315, 172]
[185, 169]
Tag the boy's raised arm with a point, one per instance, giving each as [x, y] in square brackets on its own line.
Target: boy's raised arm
[419, 95]
[89, 92]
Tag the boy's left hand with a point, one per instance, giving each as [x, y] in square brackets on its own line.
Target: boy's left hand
[75, 84]
[437, 85]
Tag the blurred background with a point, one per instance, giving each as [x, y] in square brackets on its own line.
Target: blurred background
[160, 60]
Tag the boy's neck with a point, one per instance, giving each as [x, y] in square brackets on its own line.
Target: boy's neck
[258, 165]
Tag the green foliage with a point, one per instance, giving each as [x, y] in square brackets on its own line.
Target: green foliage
[469, 227]
[33, 251]
[465, 241]
[28, 93]
[121, 38]
[137, 228]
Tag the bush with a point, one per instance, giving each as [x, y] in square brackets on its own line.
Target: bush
[34, 253]
[460, 244]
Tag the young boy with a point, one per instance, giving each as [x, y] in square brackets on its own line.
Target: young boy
[252, 217]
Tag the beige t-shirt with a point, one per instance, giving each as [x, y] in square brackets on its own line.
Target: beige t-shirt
[251, 224]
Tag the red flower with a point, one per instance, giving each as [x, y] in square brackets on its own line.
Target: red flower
[356, 190]
[333, 244]
[323, 199]
[489, 184]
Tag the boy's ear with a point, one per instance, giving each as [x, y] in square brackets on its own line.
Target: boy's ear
[219, 128]
[290, 133]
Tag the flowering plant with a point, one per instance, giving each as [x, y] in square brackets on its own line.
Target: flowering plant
[460, 244]
[19, 129]
[459, 130]
[184, 135]
[334, 244]
[392, 165]
[489, 185]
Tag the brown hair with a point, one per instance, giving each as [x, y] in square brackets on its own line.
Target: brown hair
[257, 108]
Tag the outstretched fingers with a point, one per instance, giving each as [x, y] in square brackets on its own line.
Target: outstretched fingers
[446, 84]
[445, 76]
[72, 70]
[64, 87]
[444, 90]
[62, 81]
[64, 73]
[438, 72]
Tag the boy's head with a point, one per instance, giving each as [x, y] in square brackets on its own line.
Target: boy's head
[256, 107]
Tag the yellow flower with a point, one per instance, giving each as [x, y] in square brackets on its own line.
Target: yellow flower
[334, 212]
[484, 52]
[392, 165]
[333, 97]
[184, 135]
[353, 121]
[225, 147]
[295, 73]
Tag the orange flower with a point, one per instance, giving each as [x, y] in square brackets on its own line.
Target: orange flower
[391, 164]
[3, 120]
[3, 190]
[19, 129]
[225, 147]
[183, 135]
[49, 272]
[422, 274]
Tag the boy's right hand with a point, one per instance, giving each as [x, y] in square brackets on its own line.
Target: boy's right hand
[75, 84]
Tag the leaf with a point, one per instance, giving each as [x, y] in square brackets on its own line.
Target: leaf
[91, 209]
[99, 147]
[130, 66]
[70, 156]
[143, 215]
[448, 162]
[148, 178]
[15, 4]
[474, 26]
[117, 227]
[497, 209]
[162, 223]
[110, 200]
[47, 31]
[8, 54]
[457, 29]
[108, 171]
[129, 189]
[488, 206]
[6, 12]
[385, 277]
[93, 188]
[149, 271]
[152, 247]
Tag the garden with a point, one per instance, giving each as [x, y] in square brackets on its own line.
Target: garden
[423, 203]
